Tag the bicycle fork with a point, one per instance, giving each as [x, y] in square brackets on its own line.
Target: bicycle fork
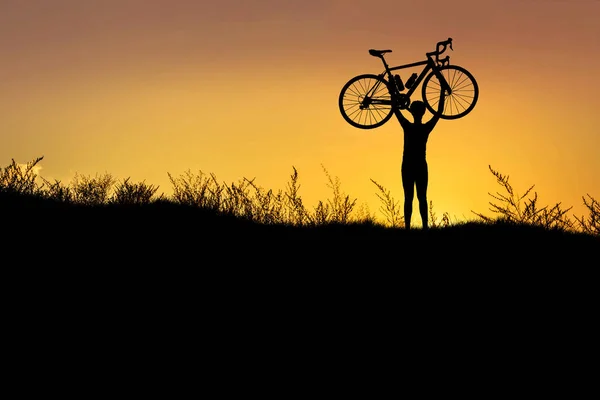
[444, 85]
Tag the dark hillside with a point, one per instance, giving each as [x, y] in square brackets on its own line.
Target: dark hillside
[165, 231]
[135, 280]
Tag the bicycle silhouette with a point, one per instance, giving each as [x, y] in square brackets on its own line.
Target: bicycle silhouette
[368, 101]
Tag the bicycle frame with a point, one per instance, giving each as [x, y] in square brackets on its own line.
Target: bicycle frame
[428, 65]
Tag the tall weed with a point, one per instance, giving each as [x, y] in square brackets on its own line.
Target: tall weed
[591, 224]
[390, 208]
[341, 205]
[20, 179]
[524, 208]
[130, 193]
[92, 191]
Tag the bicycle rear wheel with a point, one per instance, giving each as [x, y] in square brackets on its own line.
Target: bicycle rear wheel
[365, 101]
[463, 98]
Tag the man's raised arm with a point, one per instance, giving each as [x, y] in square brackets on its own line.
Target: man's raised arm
[401, 118]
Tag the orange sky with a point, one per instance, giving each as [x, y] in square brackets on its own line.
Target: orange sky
[142, 88]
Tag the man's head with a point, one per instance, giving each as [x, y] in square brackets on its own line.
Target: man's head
[417, 109]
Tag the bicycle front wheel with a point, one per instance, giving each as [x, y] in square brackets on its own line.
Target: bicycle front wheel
[463, 98]
[365, 101]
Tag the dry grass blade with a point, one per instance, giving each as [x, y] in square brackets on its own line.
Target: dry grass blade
[391, 208]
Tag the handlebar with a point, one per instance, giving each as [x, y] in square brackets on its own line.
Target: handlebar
[444, 44]
[440, 48]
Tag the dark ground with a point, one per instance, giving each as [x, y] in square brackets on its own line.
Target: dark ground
[155, 299]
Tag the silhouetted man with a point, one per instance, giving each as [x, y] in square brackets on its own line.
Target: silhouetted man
[414, 162]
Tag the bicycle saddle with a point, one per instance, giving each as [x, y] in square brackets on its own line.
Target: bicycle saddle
[378, 53]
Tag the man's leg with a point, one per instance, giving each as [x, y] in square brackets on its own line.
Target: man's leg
[422, 181]
[408, 184]
[407, 210]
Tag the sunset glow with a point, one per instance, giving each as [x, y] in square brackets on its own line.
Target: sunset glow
[141, 88]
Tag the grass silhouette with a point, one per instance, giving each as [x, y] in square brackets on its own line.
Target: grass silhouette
[98, 212]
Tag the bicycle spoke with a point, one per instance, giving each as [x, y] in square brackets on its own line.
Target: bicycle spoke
[462, 100]
[465, 84]
[458, 101]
